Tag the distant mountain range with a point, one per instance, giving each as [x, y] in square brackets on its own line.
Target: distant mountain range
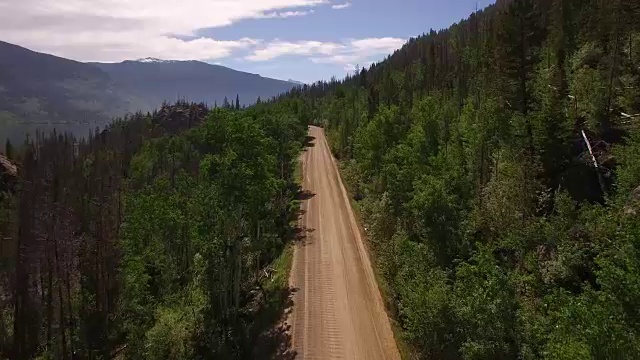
[150, 81]
[38, 88]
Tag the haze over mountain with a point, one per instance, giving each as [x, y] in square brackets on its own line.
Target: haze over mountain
[151, 81]
[46, 91]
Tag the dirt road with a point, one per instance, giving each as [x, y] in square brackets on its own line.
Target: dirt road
[338, 311]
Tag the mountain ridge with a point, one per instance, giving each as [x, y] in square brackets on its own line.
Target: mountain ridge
[40, 88]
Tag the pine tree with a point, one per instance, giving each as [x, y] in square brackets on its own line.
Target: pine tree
[518, 40]
[8, 149]
[237, 102]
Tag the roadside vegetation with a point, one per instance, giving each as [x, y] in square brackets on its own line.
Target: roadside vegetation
[151, 238]
[496, 166]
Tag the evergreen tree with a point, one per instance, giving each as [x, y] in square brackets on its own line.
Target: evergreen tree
[466, 156]
[8, 149]
[499, 232]
[147, 243]
[519, 38]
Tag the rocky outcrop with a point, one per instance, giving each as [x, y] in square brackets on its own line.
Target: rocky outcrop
[8, 173]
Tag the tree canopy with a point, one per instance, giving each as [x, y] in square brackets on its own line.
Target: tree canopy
[495, 165]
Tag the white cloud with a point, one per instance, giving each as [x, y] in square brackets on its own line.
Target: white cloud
[286, 14]
[341, 6]
[279, 48]
[376, 45]
[336, 59]
[347, 53]
[115, 30]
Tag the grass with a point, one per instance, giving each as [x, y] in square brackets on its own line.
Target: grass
[281, 268]
[282, 265]
[269, 338]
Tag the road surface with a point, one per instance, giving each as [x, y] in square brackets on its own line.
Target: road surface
[338, 311]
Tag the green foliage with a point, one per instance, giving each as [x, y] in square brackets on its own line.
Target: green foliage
[494, 232]
[426, 301]
[486, 307]
[376, 138]
[177, 327]
[629, 173]
[148, 239]
[588, 87]
[204, 213]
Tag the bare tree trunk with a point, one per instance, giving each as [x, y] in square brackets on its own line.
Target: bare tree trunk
[70, 309]
[20, 296]
[61, 301]
[595, 161]
[49, 301]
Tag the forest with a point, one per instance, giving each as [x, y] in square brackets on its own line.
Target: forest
[496, 168]
[152, 238]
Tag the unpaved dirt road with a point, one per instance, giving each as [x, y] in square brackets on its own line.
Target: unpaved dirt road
[337, 312]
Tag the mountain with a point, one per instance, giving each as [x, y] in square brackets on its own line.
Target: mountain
[42, 88]
[44, 91]
[151, 81]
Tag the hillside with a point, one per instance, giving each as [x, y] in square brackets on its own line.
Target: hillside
[41, 91]
[496, 166]
[154, 81]
[41, 88]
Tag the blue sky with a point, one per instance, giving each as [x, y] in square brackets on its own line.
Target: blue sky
[362, 19]
[304, 40]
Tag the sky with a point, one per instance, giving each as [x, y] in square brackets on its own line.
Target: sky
[303, 40]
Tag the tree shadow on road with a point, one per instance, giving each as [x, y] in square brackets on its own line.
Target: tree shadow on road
[304, 195]
[277, 297]
[303, 236]
[276, 343]
[309, 141]
[277, 302]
